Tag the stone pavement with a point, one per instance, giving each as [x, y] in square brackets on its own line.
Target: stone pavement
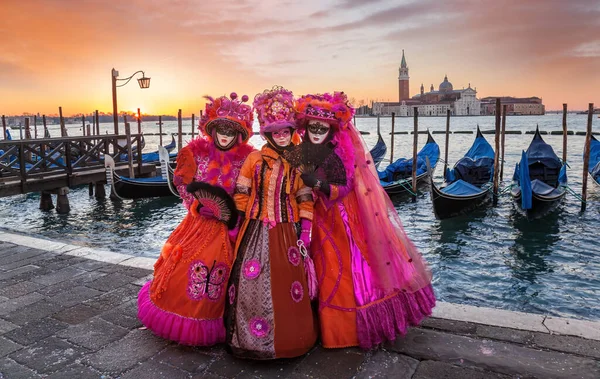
[68, 312]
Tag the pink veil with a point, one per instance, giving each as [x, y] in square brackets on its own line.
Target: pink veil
[394, 259]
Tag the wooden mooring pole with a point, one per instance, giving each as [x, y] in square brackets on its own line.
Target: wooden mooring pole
[497, 152]
[502, 142]
[160, 130]
[129, 150]
[35, 126]
[193, 124]
[97, 122]
[414, 161]
[139, 143]
[179, 131]
[564, 126]
[46, 132]
[4, 136]
[586, 156]
[392, 138]
[63, 129]
[447, 141]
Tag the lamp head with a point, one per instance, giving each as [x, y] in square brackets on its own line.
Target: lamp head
[144, 82]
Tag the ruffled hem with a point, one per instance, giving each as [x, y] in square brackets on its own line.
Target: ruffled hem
[171, 326]
[384, 320]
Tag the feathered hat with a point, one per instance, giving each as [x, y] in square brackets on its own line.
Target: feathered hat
[331, 108]
[229, 111]
[275, 109]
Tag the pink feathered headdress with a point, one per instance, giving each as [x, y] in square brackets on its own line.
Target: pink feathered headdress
[275, 109]
[230, 111]
[331, 108]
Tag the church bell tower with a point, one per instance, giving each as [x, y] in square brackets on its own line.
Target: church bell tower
[403, 88]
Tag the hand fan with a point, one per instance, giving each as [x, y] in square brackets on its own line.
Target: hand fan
[217, 200]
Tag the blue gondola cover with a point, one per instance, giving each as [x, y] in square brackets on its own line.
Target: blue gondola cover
[525, 182]
[461, 188]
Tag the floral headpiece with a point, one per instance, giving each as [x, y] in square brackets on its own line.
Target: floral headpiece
[275, 109]
[331, 108]
[230, 111]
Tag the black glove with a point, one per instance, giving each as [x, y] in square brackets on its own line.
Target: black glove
[310, 180]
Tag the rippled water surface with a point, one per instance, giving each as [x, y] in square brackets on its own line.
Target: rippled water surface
[493, 257]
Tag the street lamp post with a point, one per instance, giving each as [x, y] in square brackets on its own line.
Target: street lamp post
[144, 82]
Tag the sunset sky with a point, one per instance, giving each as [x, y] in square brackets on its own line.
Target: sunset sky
[60, 52]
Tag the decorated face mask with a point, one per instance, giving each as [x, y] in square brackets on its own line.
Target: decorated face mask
[225, 136]
[317, 131]
[282, 137]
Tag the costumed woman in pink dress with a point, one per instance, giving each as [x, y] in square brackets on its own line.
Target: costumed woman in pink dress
[373, 283]
[185, 301]
[269, 310]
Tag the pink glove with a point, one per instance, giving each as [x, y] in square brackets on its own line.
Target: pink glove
[306, 226]
[233, 234]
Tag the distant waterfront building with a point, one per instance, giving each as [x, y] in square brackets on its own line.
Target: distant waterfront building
[461, 102]
[515, 105]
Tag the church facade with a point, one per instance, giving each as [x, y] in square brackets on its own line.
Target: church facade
[462, 102]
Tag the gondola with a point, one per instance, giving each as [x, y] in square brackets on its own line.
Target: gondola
[467, 185]
[594, 161]
[540, 179]
[378, 151]
[167, 168]
[152, 156]
[136, 188]
[397, 177]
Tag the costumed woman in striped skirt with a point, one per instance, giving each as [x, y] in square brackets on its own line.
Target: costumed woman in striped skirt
[269, 313]
[373, 283]
[185, 301]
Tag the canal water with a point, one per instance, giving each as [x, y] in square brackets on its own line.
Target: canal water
[493, 257]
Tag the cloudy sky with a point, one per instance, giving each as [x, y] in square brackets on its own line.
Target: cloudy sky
[60, 52]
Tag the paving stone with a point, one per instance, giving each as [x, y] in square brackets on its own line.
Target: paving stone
[12, 305]
[66, 273]
[20, 289]
[184, 357]
[7, 346]
[143, 280]
[332, 363]
[210, 375]
[33, 312]
[136, 272]
[79, 280]
[494, 356]
[124, 315]
[440, 370]
[152, 369]
[74, 296]
[90, 265]
[6, 326]
[35, 331]
[119, 356]
[93, 333]
[10, 369]
[76, 314]
[460, 327]
[568, 344]
[77, 371]
[111, 282]
[228, 366]
[13, 250]
[35, 259]
[3, 298]
[114, 298]
[281, 368]
[29, 274]
[18, 271]
[505, 334]
[49, 355]
[388, 365]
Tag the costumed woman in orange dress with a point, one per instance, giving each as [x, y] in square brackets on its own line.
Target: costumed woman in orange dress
[269, 314]
[185, 301]
[373, 283]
